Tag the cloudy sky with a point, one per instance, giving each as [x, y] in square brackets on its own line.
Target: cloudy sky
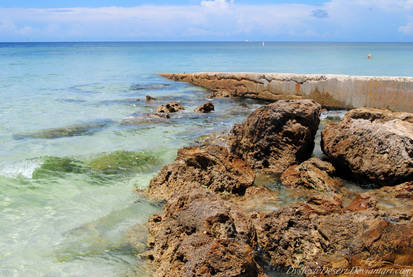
[211, 20]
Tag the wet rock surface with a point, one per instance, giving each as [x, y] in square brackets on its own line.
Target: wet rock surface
[171, 107]
[371, 146]
[387, 198]
[277, 135]
[205, 108]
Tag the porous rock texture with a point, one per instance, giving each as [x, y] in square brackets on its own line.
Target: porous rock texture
[171, 107]
[277, 135]
[318, 237]
[211, 166]
[205, 108]
[313, 174]
[371, 146]
[199, 234]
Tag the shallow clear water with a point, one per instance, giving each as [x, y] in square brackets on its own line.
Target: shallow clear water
[74, 223]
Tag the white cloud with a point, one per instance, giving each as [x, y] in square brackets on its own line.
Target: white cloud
[214, 20]
[8, 26]
[217, 3]
[407, 29]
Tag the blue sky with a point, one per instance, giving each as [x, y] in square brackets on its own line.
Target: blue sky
[125, 3]
[198, 20]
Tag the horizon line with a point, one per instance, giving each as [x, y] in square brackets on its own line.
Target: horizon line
[201, 41]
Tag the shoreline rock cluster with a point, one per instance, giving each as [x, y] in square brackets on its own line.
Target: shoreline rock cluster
[205, 230]
[163, 111]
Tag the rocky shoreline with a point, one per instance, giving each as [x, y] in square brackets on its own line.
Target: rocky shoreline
[212, 225]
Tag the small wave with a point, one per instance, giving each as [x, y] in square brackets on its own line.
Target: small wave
[339, 114]
[69, 100]
[150, 86]
[128, 101]
[21, 168]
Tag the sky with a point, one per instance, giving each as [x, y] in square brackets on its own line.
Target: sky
[206, 20]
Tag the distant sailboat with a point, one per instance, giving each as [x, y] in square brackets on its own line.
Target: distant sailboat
[263, 44]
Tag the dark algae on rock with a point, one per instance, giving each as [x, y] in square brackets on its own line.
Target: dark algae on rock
[104, 164]
[57, 165]
[122, 162]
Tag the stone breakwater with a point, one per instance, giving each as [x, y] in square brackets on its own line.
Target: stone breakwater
[334, 91]
[210, 227]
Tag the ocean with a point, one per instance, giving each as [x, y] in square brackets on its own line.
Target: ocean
[64, 209]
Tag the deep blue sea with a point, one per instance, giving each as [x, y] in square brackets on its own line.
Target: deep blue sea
[63, 105]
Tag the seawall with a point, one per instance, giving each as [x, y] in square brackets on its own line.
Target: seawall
[333, 91]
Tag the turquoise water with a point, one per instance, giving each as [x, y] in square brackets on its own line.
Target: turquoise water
[75, 222]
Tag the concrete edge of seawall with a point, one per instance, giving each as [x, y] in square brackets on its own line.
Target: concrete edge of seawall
[330, 90]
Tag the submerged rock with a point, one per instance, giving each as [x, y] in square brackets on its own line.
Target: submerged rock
[277, 135]
[57, 165]
[149, 86]
[371, 146]
[149, 99]
[205, 108]
[122, 162]
[313, 174]
[257, 199]
[200, 235]
[145, 119]
[171, 107]
[70, 131]
[210, 166]
[389, 198]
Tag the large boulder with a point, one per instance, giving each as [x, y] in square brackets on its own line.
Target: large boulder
[371, 146]
[211, 166]
[200, 235]
[277, 135]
